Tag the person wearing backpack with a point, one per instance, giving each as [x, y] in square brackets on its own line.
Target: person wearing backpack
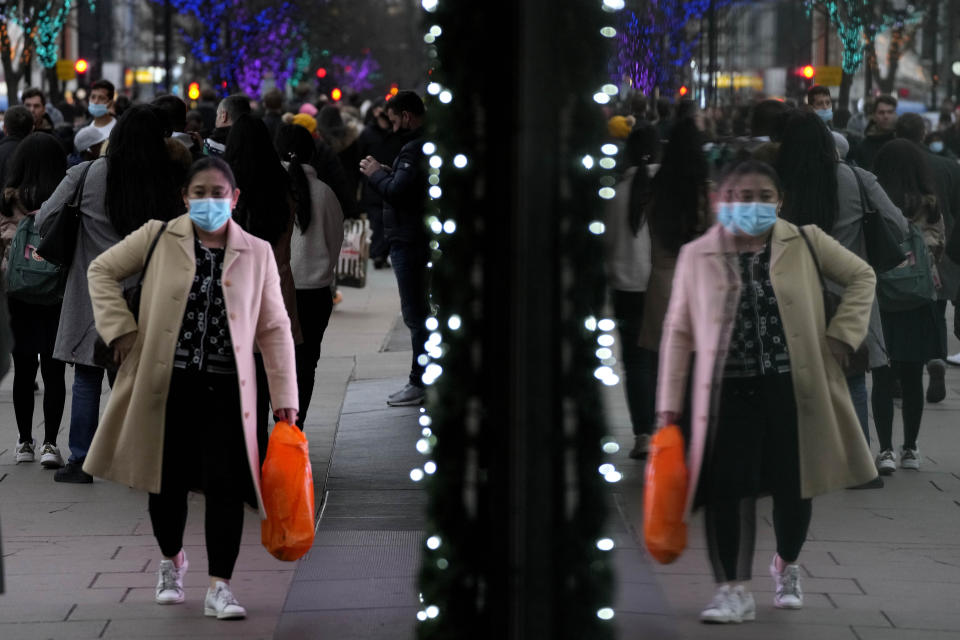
[34, 294]
[907, 308]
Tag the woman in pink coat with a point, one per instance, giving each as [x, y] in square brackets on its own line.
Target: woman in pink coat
[771, 413]
[181, 414]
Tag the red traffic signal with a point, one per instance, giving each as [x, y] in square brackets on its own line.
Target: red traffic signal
[336, 94]
[81, 66]
[321, 72]
[683, 90]
[808, 72]
[193, 91]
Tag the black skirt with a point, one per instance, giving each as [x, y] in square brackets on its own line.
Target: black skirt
[34, 327]
[914, 335]
[204, 443]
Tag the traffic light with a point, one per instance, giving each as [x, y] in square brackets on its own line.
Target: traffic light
[193, 91]
[81, 66]
[321, 73]
[336, 94]
[808, 72]
[683, 90]
[804, 77]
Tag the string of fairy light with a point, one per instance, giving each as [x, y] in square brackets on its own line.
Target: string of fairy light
[441, 223]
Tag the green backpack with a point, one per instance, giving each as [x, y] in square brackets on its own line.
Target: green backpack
[910, 284]
[30, 278]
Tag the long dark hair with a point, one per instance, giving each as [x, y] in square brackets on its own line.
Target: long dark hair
[680, 188]
[36, 168]
[140, 184]
[903, 172]
[807, 165]
[263, 208]
[295, 145]
[642, 149]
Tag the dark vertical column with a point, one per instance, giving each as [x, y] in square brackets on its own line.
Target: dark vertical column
[712, 34]
[167, 45]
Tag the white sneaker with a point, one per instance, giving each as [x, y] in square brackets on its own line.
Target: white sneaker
[24, 451]
[170, 581]
[730, 605]
[886, 462]
[954, 359]
[221, 603]
[788, 594]
[50, 456]
[910, 459]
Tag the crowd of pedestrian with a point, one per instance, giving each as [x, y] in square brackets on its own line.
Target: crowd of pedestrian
[202, 264]
[742, 256]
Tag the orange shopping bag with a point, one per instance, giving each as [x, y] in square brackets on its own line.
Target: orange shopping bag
[665, 496]
[287, 485]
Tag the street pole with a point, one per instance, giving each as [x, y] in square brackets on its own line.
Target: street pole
[712, 30]
[167, 45]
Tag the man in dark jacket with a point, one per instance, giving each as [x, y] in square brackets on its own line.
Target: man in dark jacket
[403, 188]
[228, 111]
[17, 124]
[273, 111]
[878, 133]
[380, 141]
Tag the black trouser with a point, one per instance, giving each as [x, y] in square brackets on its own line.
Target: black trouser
[409, 260]
[910, 375]
[941, 312]
[203, 449]
[639, 364]
[314, 307]
[54, 394]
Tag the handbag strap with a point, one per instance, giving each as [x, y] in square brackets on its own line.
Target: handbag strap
[153, 245]
[78, 191]
[865, 204]
[816, 261]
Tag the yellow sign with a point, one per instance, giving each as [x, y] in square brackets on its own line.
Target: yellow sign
[739, 81]
[829, 76]
[65, 70]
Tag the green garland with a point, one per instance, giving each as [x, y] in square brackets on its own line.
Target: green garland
[464, 577]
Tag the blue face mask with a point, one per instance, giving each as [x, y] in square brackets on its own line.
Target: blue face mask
[825, 114]
[210, 213]
[97, 110]
[936, 147]
[750, 218]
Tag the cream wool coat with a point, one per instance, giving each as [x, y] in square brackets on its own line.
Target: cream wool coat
[128, 445]
[700, 318]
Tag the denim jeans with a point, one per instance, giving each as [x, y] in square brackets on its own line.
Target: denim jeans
[85, 409]
[858, 393]
[410, 267]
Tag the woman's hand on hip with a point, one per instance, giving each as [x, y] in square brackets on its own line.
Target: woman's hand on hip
[840, 350]
[286, 415]
[122, 346]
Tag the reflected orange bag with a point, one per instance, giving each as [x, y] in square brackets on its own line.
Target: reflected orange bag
[287, 485]
[665, 496]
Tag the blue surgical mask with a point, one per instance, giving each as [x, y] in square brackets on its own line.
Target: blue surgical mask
[825, 114]
[936, 146]
[751, 218]
[210, 213]
[97, 110]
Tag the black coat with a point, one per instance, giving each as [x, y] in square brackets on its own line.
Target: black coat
[404, 192]
[7, 146]
[384, 147]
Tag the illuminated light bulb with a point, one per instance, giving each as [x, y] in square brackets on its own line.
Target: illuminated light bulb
[436, 30]
[435, 192]
[606, 325]
[605, 544]
[416, 475]
[460, 161]
[431, 373]
[608, 32]
[432, 323]
[608, 163]
[423, 360]
[454, 322]
[610, 89]
[435, 352]
[597, 228]
[434, 88]
[611, 380]
[613, 476]
[611, 447]
[449, 226]
[590, 323]
[606, 468]
[423, 446]
[426, 432]
[587, 162]
[425, 421]
[601, 373]
[429, 38]
[607, 193]
[433, 542]
[429, 5]
[606, 613]
[433, 611]
[435, 337]
[604, 353]
[445, 97]
[434, 179]
[430, 467]
[601, 98]
[610, 149]
[436, 162]
[605, 340]
[422, 616]
[428, 148]
[434, 245]
[442, 563]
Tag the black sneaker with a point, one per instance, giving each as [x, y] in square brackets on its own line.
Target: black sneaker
[937, 388]
[73, 472]
[409, 396]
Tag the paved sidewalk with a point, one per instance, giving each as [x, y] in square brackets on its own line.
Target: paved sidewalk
[81, 560]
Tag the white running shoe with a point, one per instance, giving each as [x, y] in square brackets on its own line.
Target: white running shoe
[910, 459]
[50, 456]
[24, 451]
[170, 581]
[788, 594]
[886, 462]
[220, 602]
[730, 606]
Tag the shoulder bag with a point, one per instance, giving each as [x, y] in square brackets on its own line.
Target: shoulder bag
[58, 234]
[910, 284]
[102, 352]
[883, 248]
[859, 360]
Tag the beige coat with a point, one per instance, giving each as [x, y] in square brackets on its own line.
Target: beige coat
[706, 289]
[128, 445]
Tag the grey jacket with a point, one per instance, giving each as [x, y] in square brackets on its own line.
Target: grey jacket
[848, 231]
[76, 334]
